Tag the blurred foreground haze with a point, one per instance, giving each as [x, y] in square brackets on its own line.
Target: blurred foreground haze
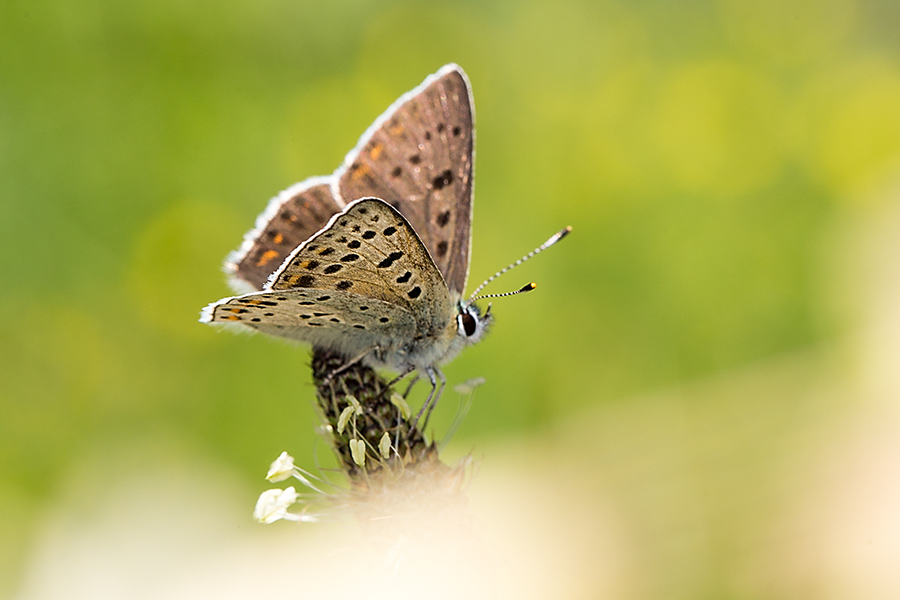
[700, 400]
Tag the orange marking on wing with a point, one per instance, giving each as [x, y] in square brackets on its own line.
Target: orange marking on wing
[360, 172]
[229, 318]
[375, 152]
[396, 129]
[278, 238]
[266, 257]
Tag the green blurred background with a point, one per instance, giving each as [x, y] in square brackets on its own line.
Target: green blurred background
[718, 327]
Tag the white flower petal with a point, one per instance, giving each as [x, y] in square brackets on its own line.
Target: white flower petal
[384, 445]
[342, 420]
[358, 452]
[400, 402]
[282, 468]
[273, 504]
[468, 386]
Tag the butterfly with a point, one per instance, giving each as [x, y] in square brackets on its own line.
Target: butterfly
[372, 261]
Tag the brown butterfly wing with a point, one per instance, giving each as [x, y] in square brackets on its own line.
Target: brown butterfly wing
[291, 218]
[364, 281]
[418, 157]
[370, 250]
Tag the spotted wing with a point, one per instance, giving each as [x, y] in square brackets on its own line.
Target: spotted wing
[289, 220]
[418, 157]
[338, 320]
[364, 277]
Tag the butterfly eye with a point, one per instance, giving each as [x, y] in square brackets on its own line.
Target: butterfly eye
[467, 323]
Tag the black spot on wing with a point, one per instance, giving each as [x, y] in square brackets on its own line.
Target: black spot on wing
[442, 180]
[390, 259]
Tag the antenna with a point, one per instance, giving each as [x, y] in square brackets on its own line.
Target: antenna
[522, 290]
[553, 239]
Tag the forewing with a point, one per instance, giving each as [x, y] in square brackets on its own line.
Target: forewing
[418, 157]
[290, 219]
[370, 250]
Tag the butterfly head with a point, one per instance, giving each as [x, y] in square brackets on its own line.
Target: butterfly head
[471, 324]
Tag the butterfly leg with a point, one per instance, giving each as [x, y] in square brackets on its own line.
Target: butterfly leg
[440, 390]
[397, 379]
[412, 382]
[433, 396]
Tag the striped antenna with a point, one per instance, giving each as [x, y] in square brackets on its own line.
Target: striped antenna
[555, 238]
[523, 289]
